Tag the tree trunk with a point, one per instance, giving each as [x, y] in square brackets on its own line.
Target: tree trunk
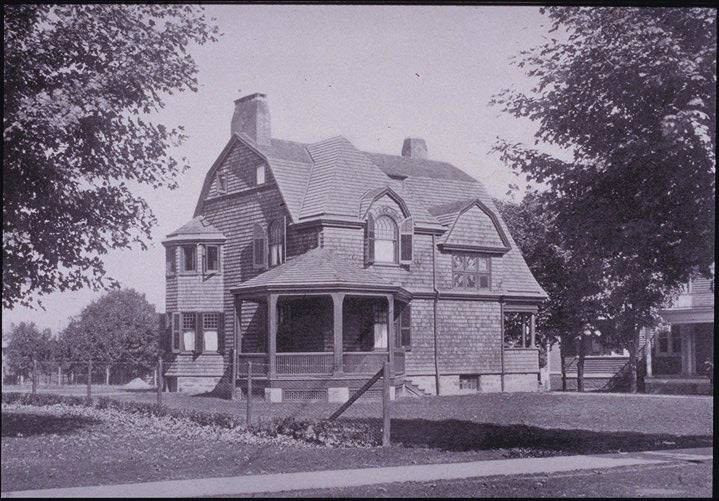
[633, 352]
[563, 366]
[580, 364]
[107, 375]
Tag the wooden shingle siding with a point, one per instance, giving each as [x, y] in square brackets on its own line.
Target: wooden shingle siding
[469, 337]
[195, 293]
[475, 227]
[239, 169]
[187, 364]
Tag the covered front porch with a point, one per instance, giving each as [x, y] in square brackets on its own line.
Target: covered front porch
[317, 344]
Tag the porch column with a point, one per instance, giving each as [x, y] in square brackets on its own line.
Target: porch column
[390, 329]
[272, 334]
[337, 302]
[532, 343]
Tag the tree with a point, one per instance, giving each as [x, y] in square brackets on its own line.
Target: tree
[631, 94]
[81, 83]
[576, 297]
[27, 342]
[121, 329]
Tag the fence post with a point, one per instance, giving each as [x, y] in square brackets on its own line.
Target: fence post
[387, 374]
[249, 394]
[89, 380]
[34, 376]
[159, 381]
[233, 383]
[59, 375]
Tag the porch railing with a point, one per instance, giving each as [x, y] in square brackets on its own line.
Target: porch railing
[364, 362]
[304, 363]
[521, 360]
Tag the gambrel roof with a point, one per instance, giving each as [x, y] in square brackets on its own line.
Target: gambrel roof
[331, 179]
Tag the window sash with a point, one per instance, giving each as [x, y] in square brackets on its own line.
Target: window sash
[189, 258]
[213, 258]
[384, 251]
[170, 260]
[260, 177]
[471, 271]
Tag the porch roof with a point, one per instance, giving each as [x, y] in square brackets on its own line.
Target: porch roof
[317, 270]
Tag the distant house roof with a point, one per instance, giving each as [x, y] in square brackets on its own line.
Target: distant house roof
[198, 228]
[319, 267]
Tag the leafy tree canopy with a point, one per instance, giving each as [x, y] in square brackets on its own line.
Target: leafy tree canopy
[27, 341]
[631, 93]
[121, 327]
[80, 84]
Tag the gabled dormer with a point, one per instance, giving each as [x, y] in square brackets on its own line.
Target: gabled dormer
[472, 226]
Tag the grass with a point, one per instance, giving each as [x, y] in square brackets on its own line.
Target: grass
[42, 447]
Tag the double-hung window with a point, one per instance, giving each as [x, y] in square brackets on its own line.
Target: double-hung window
[189, 329]
[189, 257]
[385, 240]
[276, 243]
[212, 258]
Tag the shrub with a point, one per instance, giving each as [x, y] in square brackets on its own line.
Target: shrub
[347, 433]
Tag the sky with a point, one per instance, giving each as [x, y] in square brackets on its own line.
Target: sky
[373, 74]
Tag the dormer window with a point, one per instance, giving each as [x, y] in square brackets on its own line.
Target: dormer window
[260, 174]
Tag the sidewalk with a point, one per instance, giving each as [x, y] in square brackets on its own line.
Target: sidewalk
[255, 484]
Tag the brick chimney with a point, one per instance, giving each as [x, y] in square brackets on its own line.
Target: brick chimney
[414, 147]
[252, 117]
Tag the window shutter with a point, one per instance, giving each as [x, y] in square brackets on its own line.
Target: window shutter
[162, 331]
[259, 247]
[406, 232]
[406, 326]
[202, 250]
[221, 333]
[369, 240]
[199, 335]
[176, 338]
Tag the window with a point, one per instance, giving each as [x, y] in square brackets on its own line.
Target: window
[189, 260]
[170, 260]
[212, 258]
[211, 331]
[276, 243]
[259, 244]
[260, 174]
[669, 343]
[176, 339]
[470, 271]
[189, 323]
[380, 326]
[221, 183]
[385, 240]
[469, 383]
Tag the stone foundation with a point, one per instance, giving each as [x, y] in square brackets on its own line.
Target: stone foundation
[488, 383]
[520, 382]
[193, 384]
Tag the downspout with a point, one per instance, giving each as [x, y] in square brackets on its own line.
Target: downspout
[501, 341]
[434, 322]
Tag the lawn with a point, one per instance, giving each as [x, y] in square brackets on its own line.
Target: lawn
[63, 445]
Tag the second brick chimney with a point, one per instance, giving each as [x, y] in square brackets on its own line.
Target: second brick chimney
[414, 147]
[252, 117]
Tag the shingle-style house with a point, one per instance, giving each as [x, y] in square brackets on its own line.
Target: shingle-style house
[318, 262]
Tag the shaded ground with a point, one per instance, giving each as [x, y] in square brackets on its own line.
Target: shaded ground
[50, 449]
[675, 480]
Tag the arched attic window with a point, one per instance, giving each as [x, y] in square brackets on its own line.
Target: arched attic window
[386, 244]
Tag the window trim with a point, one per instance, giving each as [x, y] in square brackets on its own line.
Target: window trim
[477, 273]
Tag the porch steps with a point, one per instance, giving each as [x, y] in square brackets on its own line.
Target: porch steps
[412, 391]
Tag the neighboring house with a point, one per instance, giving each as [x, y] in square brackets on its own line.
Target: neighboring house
[318, 262]
[677, 355]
